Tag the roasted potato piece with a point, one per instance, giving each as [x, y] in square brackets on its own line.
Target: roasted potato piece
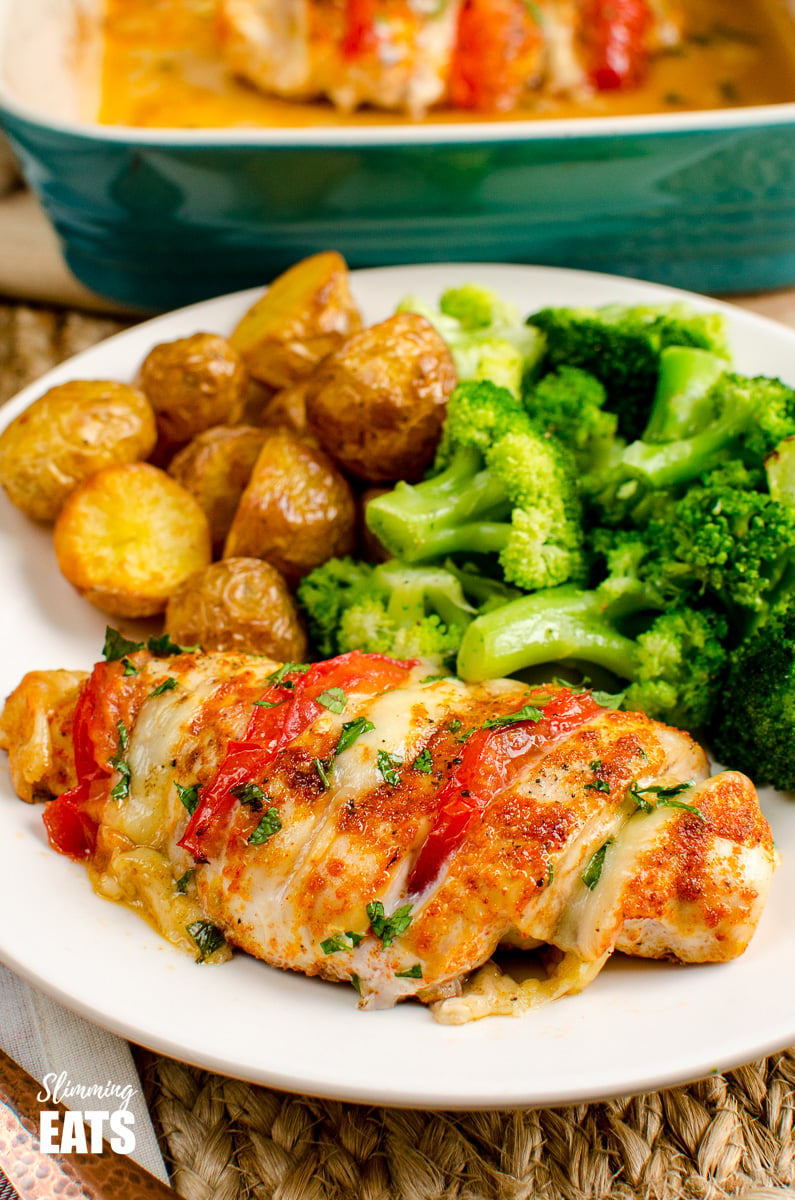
[66, 435]
[193, 383]
[297, 510]
[286, 409]
[305, 314]
[128, 536]
[378, 403]
[215, 468]
[238, 604]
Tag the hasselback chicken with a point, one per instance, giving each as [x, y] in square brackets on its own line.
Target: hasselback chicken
[409, 55]
[366, 819]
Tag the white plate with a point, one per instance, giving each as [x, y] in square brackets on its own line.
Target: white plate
[639, 1027]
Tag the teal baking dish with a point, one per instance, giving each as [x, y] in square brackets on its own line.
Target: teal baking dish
[158, 218]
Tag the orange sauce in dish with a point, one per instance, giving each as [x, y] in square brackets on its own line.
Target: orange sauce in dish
[162, 68]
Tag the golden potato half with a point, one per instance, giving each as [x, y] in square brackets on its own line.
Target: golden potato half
[128, 536]
[215, 468]
[297, 511]
[305, 314]
[69, 433]
[238, 604]
[378, 403]
[193, 383]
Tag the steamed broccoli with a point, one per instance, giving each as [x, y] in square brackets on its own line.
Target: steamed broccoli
[673, 666]
[754, 725]
[569, 404]
[621, 346]
[502, 488]
[391, 608]
[486, 336]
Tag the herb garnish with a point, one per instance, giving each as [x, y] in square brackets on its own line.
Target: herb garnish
[388, 928]
[250, 794]
[434, 678]
[664, 797]
[334, 699]
[130, 667]
[288, 668]
[183, 881]
[341, 941]
[387, 764]
[529, 713]
[189, 795]
[270, 824]
[122, 788]
[593, 872]
[351, 730]
[268, 703]
[117, 646]
[357, 983]
[208, 938]
[323, 769]
[414, 972]
[423, 762]
[165, 686]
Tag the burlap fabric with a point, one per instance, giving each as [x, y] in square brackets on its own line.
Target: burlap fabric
[729, 1135]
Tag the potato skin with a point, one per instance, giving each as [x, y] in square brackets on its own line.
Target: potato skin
[215, 467]
[378, 403]
[297, 511]
[69, 433]
[192, 383]
[307, 312]
[237, 604]
[128, 536]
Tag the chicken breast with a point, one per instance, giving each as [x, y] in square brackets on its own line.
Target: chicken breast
[410, 55]
[367, 820]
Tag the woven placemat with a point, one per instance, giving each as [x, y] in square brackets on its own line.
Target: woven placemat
[730, 1135]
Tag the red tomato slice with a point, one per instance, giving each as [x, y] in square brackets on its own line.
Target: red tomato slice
[490, 760]
[295, 706]
[616, 33]
[359, 36]
[495, 55]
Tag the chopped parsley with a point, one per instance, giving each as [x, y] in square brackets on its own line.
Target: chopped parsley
[323, 769]
[270, 823]
[423, 762]
[189, 795]
[529, 713]
[414, 972]
[388, 928]
[341, 941]
[288, 668]
[207, 937]
[165, 686]
[164, 646]
[356, 983]
[117, 646]
[250, 794]
[593, 872]
[434, 678]
[455, 725]
[122, 788]
[388, 766]
[183, 881]
[334, 699]
[351, 730]
[268, 703]
[129, 667]
[664, 797]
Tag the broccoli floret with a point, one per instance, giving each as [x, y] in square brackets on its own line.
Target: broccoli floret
[780, 471]
[569, 404]
[390, 608]
[621, 346]
[674, 666]
[503, 488]
[486, 336]
[755, 719]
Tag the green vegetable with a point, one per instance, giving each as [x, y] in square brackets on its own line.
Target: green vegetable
[250, 794]
[423, 762]
[334, 700]
[413, 972]
[183, 881]
[388, 766]
[165, 686]
[593, 871]
[189, 795]
[122, 789]
[270, 823]
[351, 731]
[208, 938]
[341, 941]
[388, 928]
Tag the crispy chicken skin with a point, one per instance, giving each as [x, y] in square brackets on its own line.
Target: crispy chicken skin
[367, 820]
[410, 55]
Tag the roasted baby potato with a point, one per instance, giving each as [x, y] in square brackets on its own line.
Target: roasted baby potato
[297, 510]
[305, 314]
[377, 404]
[128, 536]
[215, 468]
[193, 383]
[66, 435]
[286, 409]
[237, 604]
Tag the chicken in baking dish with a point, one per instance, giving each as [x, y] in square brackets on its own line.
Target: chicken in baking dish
[364, 820]
[408, 55]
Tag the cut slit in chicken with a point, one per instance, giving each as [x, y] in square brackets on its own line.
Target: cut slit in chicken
[365, 820]
[410, 55]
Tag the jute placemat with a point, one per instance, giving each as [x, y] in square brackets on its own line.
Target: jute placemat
[731, 1135]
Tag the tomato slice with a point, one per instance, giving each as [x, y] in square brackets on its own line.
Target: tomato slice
[496, 54]
[616, 34]
[359, 35]
[490, 760]
[288, 707]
